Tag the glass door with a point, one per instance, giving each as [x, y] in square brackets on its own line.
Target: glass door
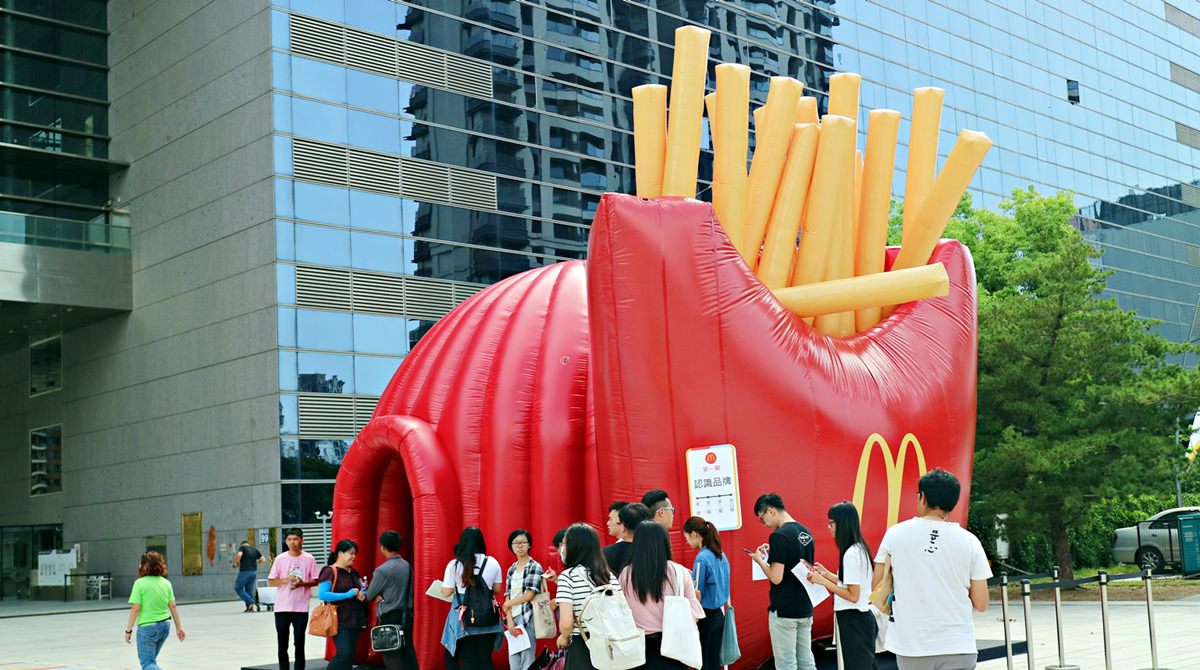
[16, 561]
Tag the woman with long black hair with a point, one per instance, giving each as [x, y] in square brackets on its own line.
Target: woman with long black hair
[340, 584]
[471, 568]
[650, 576]
[711, 574]
[851, 588]
[585, 570]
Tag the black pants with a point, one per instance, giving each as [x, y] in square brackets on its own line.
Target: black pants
[298, 623]
[857, 631]
[712, 632]
[345, 643]
[654, 658]
[475, 652]
[404, 658]
[578, 655]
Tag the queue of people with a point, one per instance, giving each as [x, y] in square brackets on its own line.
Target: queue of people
[927, 575]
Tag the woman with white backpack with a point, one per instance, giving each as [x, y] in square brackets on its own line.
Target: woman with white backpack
[662, 595]
[584, 570]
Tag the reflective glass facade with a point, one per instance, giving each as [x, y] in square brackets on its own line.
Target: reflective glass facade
[459, 142]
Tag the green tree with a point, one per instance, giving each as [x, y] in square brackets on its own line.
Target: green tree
[1077, 401]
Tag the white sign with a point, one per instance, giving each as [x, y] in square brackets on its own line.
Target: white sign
[54, 566]
[264, 535]
[713, 485]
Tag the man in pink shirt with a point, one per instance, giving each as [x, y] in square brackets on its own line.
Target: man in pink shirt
[295, 573]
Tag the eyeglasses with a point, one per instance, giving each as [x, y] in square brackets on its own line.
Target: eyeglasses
[520, 543]
[761, 519]
[831, 523]
[667, 508]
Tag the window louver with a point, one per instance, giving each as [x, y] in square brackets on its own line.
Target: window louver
[401, 295]
[327, 288]
[403, 59]
[334, 415]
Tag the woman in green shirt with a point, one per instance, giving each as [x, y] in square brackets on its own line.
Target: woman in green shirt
[153, 607]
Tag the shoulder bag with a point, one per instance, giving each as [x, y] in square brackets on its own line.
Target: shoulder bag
[544, 625]
[680, 636]
[730, 650]
[323, 620]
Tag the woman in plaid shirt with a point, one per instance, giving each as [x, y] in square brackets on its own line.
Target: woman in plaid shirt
[523, 583]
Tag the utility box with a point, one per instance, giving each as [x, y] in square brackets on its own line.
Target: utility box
[1189, 543]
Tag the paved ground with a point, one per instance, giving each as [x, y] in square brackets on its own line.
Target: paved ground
[32, 637]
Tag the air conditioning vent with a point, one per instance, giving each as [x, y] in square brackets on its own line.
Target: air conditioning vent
[1187, 135]
[318, 39]
[1182, 20]
[472, 189]
[320, 162]
[327, 288]
[363, 409]
[426, 298]
[424, 180]
[326, 414]
[372, 171]
[402, 59]
[379, 293]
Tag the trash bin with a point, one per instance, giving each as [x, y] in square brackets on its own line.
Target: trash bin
[1189, 543]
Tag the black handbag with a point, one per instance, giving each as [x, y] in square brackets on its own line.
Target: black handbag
[387, 637]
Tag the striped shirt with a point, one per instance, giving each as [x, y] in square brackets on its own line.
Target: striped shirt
[574, 586]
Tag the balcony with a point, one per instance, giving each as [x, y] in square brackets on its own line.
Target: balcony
[45, 231]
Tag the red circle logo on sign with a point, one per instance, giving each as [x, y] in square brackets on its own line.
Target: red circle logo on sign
[710, 458]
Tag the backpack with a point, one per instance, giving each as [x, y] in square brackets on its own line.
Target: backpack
[479, 603]
[613, 640]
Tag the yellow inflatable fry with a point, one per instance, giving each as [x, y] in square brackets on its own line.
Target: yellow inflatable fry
[770, 151]
[806, 110]
[729, 161]
[687, 108]
[882, 129]
[649, 138]
[858, 182]
[835, 153]
[779, 249]
[843, 95]
[710, 104]
[842, 295]
[841, 257]
[759, 119]
[922, 150]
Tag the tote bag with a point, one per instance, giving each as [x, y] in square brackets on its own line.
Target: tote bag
[544, 625]
[730, 651]
[680, 636]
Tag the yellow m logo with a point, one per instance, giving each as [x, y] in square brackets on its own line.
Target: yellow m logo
[894, 468]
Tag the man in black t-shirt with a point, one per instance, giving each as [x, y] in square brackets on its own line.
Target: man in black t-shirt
[628, 517]
[790, 613]
[246, 561]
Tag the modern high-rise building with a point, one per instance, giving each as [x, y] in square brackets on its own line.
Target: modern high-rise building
[223, 224]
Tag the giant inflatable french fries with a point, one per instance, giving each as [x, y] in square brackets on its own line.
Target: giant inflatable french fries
[546, 396]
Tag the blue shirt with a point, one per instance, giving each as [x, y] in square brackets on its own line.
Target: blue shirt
[711, 575]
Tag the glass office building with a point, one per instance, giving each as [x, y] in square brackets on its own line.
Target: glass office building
[240, 215]
[435, 147]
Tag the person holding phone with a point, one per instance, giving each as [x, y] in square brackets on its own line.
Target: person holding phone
[851, 588]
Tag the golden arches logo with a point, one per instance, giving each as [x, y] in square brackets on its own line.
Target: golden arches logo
[893, 468]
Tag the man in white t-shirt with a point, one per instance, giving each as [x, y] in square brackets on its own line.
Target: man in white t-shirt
[939, 571]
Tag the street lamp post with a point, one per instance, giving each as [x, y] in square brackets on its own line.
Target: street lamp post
[324, 519]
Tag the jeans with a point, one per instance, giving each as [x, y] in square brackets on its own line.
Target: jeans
[298, 622]
[150, 639]
[712, 631]
[791, 643]
[522, 659]
[244, 586]
[345, 643]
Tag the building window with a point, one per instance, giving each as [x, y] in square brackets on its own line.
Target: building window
[45, 460]
[45, 366]
[1073, 91]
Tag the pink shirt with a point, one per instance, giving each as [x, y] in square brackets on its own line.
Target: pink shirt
[288, 599]
[649, 615]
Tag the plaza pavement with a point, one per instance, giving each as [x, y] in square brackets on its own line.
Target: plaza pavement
[70, 636]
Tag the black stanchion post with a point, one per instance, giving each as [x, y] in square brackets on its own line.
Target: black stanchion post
[1004, 615]
[1104, 619]
[1062, 656]
[1028, 623]
[1150, 617]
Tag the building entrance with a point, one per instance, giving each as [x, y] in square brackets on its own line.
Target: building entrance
[19, 548]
